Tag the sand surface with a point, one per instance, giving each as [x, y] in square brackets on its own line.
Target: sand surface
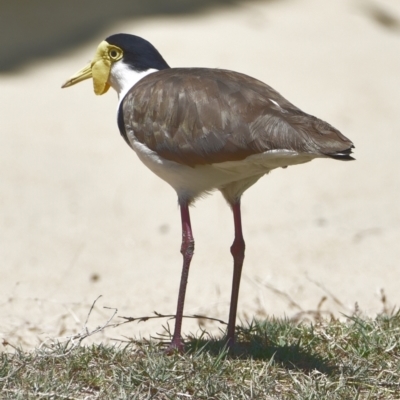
[82, 217]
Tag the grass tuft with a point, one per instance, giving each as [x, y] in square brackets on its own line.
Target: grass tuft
[273, 359]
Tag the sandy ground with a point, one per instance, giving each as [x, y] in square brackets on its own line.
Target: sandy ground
[82, 217]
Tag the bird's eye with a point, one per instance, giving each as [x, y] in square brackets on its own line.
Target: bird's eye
[114, 54]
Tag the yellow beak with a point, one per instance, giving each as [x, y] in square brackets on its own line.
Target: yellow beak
[83, 74]
[99, 69]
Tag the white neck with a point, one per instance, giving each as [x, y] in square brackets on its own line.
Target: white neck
[122, 78]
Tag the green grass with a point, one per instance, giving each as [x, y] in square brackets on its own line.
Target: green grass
[273, 359]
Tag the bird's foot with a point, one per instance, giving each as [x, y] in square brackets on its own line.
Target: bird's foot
[176, 345]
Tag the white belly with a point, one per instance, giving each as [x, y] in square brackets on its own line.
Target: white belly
[191, 182]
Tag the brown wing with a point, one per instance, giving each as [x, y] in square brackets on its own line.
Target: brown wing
[202, 116]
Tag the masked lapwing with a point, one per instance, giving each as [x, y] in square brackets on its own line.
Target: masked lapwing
[203, 129]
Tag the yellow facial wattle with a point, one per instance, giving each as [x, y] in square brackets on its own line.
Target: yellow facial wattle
[99, 69]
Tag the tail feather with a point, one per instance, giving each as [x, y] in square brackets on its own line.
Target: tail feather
[343, 155]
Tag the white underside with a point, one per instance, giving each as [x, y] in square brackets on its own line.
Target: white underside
[232, 178]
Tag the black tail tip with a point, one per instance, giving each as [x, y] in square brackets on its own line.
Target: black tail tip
[343, 155]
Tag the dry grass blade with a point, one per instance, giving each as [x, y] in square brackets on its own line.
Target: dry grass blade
[274, 359]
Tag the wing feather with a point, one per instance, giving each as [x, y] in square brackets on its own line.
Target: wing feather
[202, 116]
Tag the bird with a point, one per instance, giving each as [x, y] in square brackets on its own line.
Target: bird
[203, 130]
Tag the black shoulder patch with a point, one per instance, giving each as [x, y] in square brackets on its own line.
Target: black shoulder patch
[121, 123]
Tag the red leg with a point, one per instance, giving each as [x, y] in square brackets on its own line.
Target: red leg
[187, 249]
[237, 250]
